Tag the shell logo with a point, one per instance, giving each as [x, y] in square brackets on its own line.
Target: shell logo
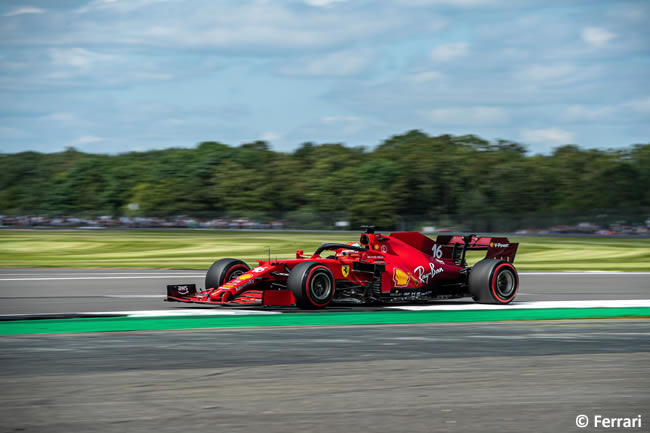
[400, 278]
[245, 277]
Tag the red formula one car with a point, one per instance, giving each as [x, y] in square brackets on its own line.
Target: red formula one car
[400, 267]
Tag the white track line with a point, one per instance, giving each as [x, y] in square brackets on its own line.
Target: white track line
[160, 313]
[196, 312]
[613, 303]
[157, 277]
[592, 273]
[447, 307]
[111, 276]
[162, 272]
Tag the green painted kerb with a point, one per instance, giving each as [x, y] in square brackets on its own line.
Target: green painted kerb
[111, 324]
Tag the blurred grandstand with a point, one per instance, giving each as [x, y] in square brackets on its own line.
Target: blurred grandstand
[600, 223]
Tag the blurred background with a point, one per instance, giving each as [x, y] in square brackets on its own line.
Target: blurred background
[411, 181]
[136, 124]
[530, 117]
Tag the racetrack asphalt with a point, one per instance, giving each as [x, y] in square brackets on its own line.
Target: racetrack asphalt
[33, 291]
[488, 377]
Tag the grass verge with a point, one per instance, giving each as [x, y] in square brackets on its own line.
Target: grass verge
[198, 249]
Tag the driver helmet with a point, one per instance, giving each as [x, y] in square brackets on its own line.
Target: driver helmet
[354, 244]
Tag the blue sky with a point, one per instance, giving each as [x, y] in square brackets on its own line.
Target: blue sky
[118, 75]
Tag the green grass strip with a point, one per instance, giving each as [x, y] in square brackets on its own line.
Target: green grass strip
[112, 324]
[199, 249]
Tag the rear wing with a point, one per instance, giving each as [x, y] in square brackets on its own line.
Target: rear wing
[454, 247]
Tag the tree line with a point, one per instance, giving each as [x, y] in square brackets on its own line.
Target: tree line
[408, 174]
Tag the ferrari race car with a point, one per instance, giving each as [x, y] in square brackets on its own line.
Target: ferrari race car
[400, 267]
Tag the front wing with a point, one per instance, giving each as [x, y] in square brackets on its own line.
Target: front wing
[189, 294]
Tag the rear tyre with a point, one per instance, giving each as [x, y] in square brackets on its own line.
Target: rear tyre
[312, 284]
[493, 281]
[223, 271]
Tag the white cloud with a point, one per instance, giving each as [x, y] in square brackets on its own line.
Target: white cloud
[454, 3]
[583, 113]
[426, 76]
[467, 115]
[61, 117]
[629, 12]
[24, 11]
[546, 72]
[175, 122]
[597, 37]
[77, 57]
[553, 136]
[346, 124]
[270, 136]
[447, 52]
[13, 66]
[329, 120]
[260, 28]
[87, 139]
[153, 76]
[640, 105]
[339, 63]
[116, 5]
[323, 3]
[8, 132]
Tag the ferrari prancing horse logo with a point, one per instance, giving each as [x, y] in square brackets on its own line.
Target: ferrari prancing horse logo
[345, 270]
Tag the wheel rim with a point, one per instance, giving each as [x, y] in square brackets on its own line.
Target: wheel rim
[506, 283]
[320, 287]
[234, 274]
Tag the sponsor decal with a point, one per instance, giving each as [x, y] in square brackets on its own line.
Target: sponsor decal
[259, 269]
[245, 276]
[345, 270]
[374, 257]
[183, 290]
[384, 249]
[400, 278]
[376, 246]
[436, 251]
[498, 245]
[228, 285]
[409, 294]
[440, 261]
[424, 276]
[247, 283]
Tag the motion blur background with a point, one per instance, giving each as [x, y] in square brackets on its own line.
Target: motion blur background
[526, 116]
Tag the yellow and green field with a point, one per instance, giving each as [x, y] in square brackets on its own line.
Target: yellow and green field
[198, 249]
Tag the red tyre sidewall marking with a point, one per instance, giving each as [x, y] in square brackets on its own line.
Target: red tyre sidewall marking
[234, 268]
[493, 283]
[307, 285]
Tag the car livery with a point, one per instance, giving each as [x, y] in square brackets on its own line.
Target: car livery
[400, 267]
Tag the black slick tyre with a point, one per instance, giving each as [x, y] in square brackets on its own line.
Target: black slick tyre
[223, 271]
[493, 281]
[312, 284]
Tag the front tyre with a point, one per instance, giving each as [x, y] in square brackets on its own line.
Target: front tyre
[223, 271]
[312, 284]
[493, 281]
